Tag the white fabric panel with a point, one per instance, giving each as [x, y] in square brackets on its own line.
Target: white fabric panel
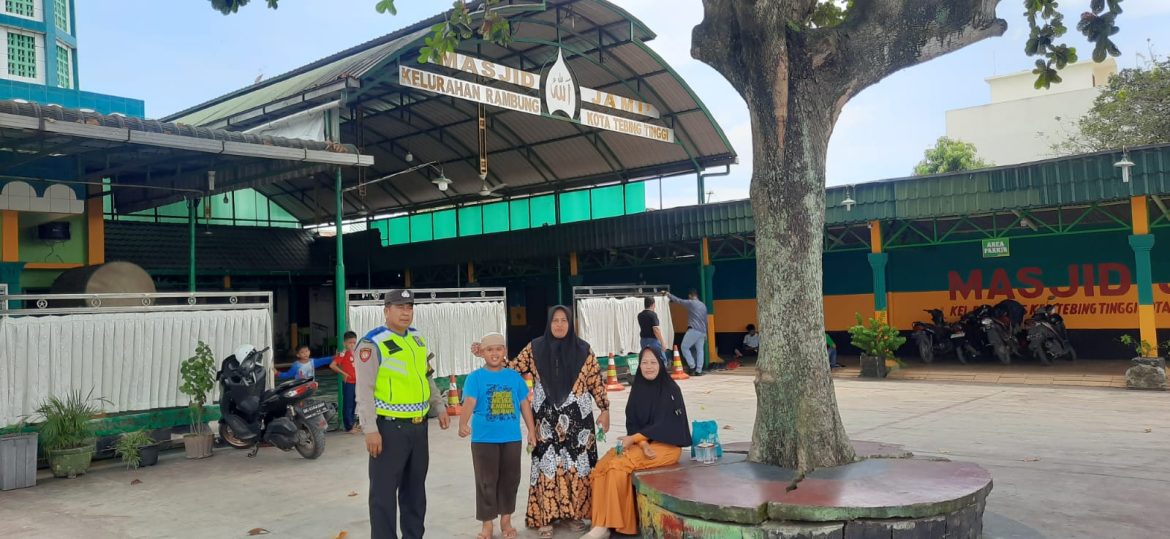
[449, 329]
[610, 324]
[130, 359]
[308, 126]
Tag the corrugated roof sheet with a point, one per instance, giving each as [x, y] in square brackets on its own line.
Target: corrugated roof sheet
[596, 37]
[164, 247]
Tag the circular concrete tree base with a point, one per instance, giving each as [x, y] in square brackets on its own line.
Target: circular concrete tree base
[896, 498]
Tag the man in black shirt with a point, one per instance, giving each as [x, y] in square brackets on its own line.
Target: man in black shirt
[650, 333]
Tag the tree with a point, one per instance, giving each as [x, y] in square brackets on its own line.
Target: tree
[949, 155]
[797, 63]
[1133, 110]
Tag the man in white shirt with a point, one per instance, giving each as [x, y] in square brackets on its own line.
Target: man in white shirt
[751, 343]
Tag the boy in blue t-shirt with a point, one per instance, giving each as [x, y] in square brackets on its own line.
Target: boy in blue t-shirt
[492, 395]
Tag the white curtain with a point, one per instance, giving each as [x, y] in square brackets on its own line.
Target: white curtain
[449, 329]
[130, 359]
[610, 324]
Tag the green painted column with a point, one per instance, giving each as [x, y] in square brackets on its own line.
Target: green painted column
[707, 292]
[339, 275]
[877, 262]
[1142, 244]
[192, 204]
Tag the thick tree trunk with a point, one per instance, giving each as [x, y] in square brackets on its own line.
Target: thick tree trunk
[795, 81]
[797, 422]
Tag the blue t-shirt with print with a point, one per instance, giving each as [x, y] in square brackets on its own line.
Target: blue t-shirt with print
[496, 418]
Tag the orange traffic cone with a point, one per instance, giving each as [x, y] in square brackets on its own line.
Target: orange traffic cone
[453, 398]
[612, 383]
[528, 381]
[679, 373]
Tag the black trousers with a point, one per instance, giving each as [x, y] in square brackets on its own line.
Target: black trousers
[398, 480]
[497, 478]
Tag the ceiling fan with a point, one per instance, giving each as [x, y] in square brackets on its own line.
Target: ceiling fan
[487, 191]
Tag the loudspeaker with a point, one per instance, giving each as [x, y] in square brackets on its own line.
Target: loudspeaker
[53, 231]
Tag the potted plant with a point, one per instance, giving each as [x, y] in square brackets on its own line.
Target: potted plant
[18, 457]
[877, 341]
[1148, 370]
[136, 449]
[67, 434]
[198, 379]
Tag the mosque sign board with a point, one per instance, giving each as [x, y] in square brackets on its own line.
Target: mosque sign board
[559, 94]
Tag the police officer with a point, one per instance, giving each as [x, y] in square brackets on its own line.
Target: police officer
[394, 386]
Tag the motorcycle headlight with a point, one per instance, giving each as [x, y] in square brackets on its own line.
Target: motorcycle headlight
[986, 321]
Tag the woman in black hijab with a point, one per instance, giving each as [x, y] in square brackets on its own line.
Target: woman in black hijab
[566, 386]
[656, 421]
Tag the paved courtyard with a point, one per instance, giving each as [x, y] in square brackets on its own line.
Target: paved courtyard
[1067, 462]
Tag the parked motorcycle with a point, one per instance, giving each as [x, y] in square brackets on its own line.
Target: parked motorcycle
[1047, 336]
[283, 416]
[1002, 324]
[933, 337]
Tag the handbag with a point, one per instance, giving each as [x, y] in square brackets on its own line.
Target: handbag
[705, 431]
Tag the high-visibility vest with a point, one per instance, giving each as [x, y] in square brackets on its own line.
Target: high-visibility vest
[402, 389]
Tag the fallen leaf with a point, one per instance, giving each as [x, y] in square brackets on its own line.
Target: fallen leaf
[351, 494]
[727, 427]
[1148, 429]
[341, 535]
[258, 531]
[138, 482]
[1030, 459]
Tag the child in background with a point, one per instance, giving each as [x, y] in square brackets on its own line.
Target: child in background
[343, 366]
[304, 369]
[492, 395]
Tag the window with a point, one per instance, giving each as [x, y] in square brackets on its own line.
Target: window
[64, 67]
[23, 8]
[22, 55]
[61, 14]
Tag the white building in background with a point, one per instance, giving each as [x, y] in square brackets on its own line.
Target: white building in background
[1021, 123]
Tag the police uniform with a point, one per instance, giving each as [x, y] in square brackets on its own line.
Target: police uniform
[394, 388]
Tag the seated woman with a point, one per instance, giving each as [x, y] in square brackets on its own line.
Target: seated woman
[656, 420]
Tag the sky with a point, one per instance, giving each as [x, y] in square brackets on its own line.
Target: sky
[177, 54]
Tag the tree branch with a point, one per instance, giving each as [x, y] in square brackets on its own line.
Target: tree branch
[880, 37]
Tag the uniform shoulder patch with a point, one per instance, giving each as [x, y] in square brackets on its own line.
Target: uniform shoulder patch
[365, 351]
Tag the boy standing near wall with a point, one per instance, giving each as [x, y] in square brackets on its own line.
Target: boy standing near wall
[343, 366]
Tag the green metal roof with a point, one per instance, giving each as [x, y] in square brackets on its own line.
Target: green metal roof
[1071, 181]
[351, 63]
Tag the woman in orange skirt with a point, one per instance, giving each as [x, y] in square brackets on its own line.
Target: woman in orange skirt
[656, 421]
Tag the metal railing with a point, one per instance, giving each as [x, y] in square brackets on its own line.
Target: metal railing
[58, 304]
[619, 291]
[430, 295]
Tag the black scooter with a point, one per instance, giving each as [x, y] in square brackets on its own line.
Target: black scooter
[283, 417]
[934, 337]
[1047, 336]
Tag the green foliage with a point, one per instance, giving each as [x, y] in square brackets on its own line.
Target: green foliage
[949, 155]
[461, 25]
[1133, 110]
[67, 422]
[1142, 347]
[1046, 24]
[875, 338]
[829, 13]
[227, 7]
[197, 375]
[129, 447]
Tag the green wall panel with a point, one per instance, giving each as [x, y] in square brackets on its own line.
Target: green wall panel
[847, 273]
[34, 250]
[519, 214]
[575, 206]
[446, 224]
[399, 230]
[470, 221]
[1052, 260]
[608, 201]
[421, 227]
[636, 197]
[543, 210]
[495, 217]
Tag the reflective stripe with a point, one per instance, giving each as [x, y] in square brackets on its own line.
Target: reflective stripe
[403, 408]
[396, 369]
